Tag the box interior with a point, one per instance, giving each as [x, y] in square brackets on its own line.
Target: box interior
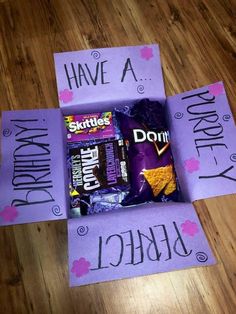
[96, 107]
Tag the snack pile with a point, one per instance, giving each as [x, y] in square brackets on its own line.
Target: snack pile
[119, 158]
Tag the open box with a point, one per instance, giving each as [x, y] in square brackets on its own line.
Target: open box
[127, 242]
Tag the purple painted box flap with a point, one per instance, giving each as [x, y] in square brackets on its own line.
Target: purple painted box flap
[33, 182]
[203, 142]
[147, 239]
[110, 76]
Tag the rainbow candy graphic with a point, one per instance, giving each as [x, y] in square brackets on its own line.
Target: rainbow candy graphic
[89, 126]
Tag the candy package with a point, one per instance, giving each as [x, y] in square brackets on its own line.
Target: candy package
[91, 127]
[152, 175]
[96, 167]
[135, 142]
[102, 200]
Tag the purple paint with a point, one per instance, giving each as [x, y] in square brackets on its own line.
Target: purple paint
[108, 77]
[33, 174]
[137, 241]
[201, 128]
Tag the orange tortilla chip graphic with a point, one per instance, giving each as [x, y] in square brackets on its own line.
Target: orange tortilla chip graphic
[161, 179]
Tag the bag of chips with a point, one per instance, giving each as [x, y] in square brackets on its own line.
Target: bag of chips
[151, 169]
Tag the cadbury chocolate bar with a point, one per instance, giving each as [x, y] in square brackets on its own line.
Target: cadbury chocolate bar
[99, 166]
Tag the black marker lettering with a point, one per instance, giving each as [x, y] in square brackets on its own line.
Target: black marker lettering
[179, 241]
[128, 67]
[93, 79]
[152, 244]
[99, 256]
[140, 247]
[131, 244]
[200, 95]
[73, 77]
[43, 197]
[81, 74]
[31, 172]
[209, 146]
[103, 73]
[166, 239]
[220, 175]
[121, 248]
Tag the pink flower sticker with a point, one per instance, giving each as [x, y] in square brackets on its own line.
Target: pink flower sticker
[192, 165]
[9, 213]
[80, 267]
[190, 228]
[146, 53]
[66, 95]
[216, 89]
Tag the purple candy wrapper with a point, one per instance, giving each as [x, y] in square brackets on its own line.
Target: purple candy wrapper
[151, 166]
[89, 126]
[96, 167]
[102, 200]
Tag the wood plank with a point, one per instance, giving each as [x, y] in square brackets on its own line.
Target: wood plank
[198, 47]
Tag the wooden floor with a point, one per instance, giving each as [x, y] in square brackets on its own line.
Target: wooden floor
[198, 47]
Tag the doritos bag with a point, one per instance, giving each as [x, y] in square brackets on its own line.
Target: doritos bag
[151, 169]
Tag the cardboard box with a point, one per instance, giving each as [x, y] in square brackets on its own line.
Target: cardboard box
[147, 238]
[33, 185]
